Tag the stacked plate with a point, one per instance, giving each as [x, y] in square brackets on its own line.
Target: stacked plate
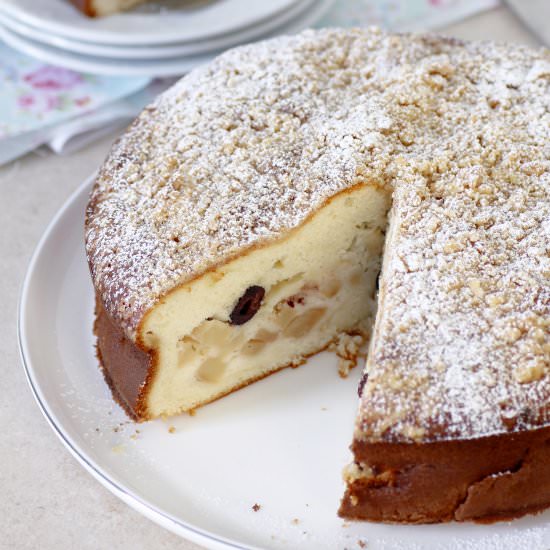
[162, 38]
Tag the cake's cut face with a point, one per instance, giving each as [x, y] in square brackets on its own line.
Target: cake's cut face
[269, 308]
[99, 8]
[238, 227]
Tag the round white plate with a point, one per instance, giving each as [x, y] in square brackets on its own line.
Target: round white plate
[160, 51]
[149, 67]
[280, 443]
[192, 21]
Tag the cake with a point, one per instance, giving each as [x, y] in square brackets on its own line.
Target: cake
[99, 8]
[240, 224]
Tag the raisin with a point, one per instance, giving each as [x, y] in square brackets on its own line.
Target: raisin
[248, 305]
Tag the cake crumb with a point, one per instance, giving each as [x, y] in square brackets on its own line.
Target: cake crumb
[295, 521]
[362, 543]
[171, 429]
[529, 373]
[256, 507]
[348, 348]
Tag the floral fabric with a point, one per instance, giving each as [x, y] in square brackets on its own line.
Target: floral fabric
[33, 95]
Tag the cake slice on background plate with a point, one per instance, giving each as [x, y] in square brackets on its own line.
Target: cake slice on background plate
[99, 8]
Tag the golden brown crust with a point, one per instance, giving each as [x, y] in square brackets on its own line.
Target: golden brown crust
[127, 368]
[485, 479]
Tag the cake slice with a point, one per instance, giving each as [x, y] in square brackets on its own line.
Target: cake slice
[99, 8]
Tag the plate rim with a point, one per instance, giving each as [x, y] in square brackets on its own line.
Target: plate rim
[115, 38]
[166, 520]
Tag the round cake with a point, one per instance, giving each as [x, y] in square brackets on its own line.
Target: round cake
[241, 224]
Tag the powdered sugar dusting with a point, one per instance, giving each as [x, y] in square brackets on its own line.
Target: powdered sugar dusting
[235, 154]
[462, 340]
[241, 151]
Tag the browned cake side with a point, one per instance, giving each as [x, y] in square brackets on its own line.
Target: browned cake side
[484, 479]
[125, 366]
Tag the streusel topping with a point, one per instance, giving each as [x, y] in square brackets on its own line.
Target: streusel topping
[246, 148]
[462, 339]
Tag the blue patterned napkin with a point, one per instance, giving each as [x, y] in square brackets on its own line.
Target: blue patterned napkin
[33, 94]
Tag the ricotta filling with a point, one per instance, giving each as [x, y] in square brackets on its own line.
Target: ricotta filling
[319, 283]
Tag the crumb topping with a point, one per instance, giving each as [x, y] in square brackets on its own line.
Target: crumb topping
[462, 338]
[244, 149]
[348, 347]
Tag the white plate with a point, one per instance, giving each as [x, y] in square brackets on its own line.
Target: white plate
[161, 51]
[280, 443]
[198, 21]
[150, 67]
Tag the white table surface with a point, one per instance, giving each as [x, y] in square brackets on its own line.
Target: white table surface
[47, 500]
